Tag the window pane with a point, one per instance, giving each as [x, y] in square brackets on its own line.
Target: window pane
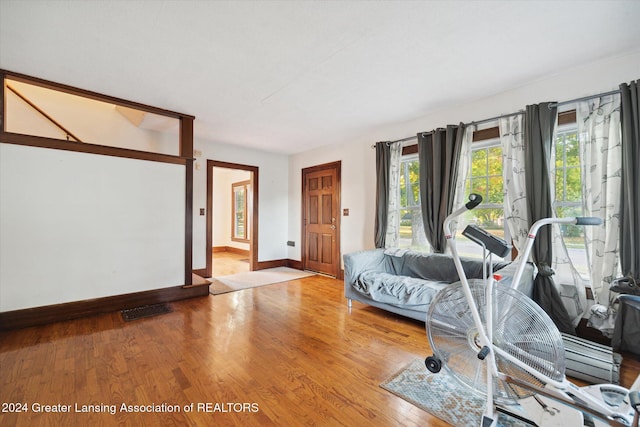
[495, 194]
[479, 163]
[573, 186]
[559, 185]
[568, 203]
[411, 230]
[409, 186]
[559, 149]
[486, 180]
[495, 161]
[479, 185]
[571, 149]
[574, 241]
[239, 221]
[411, 233]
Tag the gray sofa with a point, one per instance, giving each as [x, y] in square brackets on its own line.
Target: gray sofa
[405, 282]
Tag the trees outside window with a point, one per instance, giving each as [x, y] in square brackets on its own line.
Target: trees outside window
[568, 198]
[485, 178]
[411, 233]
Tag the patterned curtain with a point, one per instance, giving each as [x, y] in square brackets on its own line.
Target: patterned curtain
[393, 211]
[513, 174]
[461, 194]
[601, 154]
[569, 282]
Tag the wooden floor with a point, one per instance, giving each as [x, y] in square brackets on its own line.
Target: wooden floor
[287, 354]
[226, 263]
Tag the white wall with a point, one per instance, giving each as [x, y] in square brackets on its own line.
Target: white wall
[272, 205]
[358, 158]
[79, 226]
[222, 214]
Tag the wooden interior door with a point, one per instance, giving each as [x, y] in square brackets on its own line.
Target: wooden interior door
[321, 223]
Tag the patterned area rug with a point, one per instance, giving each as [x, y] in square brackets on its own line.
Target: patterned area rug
[441, 396]
[252, 279]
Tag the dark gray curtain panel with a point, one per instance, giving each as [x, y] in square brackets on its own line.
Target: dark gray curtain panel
[383, 157]
[539, 123]
[630, 194]
[438, 156]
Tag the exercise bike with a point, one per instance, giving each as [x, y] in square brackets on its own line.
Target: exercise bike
[499, 343]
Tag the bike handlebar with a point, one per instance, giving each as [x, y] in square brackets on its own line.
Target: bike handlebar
[474, 200]
[588, 220]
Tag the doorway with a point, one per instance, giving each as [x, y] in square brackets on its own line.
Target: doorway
[232, 206]
[321, 219]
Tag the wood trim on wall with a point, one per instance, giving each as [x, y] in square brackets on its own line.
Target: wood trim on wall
[73, 310]
[238, 251]
[80, 147]
[567, 117]
[291, 263]
[185, 158]
[91, 95]
[410, 149]
[3, 106]
[186, 151]
[262, 265]
[253, 245]
[484, 134]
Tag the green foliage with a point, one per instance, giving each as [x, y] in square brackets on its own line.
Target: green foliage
[485, 178]
[568, 181]
[409, 184]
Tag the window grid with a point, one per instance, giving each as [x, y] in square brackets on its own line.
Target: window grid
[568, 201]
[485, 178]
[565, 167]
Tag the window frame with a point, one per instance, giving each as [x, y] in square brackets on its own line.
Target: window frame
[564, 129]
[407, 157]
[490, 140]
[244, 187]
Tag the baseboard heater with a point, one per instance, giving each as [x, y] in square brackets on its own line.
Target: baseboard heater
[591, 362]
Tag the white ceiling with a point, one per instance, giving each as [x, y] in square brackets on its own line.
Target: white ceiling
[289, 76]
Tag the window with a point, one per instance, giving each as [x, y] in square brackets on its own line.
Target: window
[568, 197]
[239, 216]
[411, 233]
[485, 178]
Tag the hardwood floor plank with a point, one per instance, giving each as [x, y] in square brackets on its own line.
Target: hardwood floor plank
[290, 354]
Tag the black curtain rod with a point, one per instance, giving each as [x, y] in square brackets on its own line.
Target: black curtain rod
[552, 105]
[517, 113]
[409, 138]
[584, 98]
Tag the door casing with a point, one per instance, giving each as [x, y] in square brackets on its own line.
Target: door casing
[337, 189]
[253, 244]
